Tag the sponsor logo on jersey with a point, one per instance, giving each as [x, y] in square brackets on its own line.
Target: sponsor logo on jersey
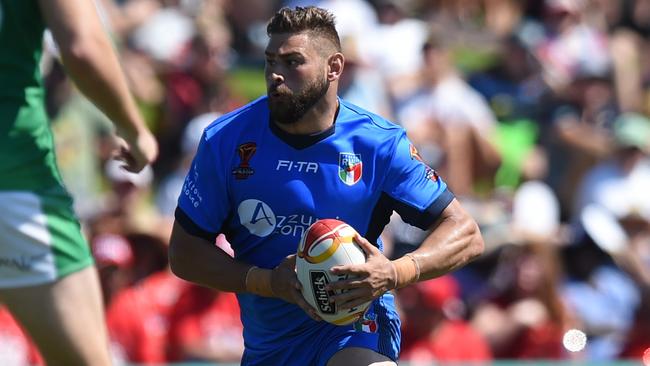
[429, 172]
[319, 280]
[367, 324]
[350, 168]
[246, 152]
[297, 166]
[259, 218]
[190, 188]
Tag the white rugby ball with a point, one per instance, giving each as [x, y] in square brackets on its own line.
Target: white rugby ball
[325, 244]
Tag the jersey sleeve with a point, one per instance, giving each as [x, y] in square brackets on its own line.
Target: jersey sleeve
[415, 190]
[203, 203]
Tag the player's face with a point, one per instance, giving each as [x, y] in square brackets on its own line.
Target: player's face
[296, 76]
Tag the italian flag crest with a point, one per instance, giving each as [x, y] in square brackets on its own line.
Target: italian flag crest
[366, 324]
[350, 168]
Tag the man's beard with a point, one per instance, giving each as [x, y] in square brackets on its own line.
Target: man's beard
[289, 108]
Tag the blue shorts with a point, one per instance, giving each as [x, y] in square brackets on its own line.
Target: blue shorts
[379, 330]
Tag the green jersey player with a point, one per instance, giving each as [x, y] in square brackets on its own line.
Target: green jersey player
[47, 277]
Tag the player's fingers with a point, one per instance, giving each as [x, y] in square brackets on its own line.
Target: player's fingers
[291, 260]
[345, 284]
[352, 269]
[365, 245]
[343, 297]
[351, 298]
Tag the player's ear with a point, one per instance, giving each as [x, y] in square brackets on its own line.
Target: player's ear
[335, 64]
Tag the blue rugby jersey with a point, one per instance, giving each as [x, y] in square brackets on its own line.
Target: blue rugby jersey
[263, 187]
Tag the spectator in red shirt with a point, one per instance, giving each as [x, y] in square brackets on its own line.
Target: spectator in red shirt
[138, 318]
[205, 326]
[433, 326]
[114, 259]
[525, 318]
[16, 348]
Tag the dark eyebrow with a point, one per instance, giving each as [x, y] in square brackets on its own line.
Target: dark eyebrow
[284, 55]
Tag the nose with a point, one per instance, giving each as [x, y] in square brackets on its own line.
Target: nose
[276, 78]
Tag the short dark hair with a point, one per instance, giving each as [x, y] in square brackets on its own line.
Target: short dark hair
[317, 21]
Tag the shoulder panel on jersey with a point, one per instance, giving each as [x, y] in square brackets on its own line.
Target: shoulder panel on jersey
[376, 119]
[241, 115]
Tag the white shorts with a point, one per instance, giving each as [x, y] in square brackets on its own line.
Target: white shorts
[40, 238]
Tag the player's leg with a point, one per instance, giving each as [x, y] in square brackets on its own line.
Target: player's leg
[47, 279]
[65, 318]
[356, 356]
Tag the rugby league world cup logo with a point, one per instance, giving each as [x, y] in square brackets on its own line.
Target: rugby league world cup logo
[246, 152]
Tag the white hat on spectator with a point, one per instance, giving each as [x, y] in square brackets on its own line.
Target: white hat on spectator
[165, 34]
[112, 250]
[535, 212]
[570, 6]
[194, 130]
[603, 228]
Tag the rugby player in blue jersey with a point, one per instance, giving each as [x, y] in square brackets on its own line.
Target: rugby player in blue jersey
[263, 173]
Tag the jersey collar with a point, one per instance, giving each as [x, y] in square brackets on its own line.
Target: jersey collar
[300, 142]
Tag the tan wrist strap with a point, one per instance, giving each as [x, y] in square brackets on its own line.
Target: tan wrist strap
[258, 281]
[407, 270]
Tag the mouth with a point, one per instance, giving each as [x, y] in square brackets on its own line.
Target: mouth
[278, 90]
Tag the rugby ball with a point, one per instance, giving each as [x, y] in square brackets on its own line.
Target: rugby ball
[325, 244]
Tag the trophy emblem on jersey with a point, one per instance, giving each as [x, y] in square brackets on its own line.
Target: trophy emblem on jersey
[350, 168]
[429, 172]
[246, 152]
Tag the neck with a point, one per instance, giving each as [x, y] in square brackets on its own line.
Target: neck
[319, 118]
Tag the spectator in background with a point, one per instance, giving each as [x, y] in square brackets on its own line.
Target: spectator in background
[205, 327]
[434, 329]
[114, 259]
[138, 318]
[171, 185]
[572, 44]
[361, 84]
[354, 18]
[16, 347]
[580, 133]
[614, 211]
[394, 46]
[446, 112]
[513, 88]
[149, 252]
[638, 339]
[197, 86]
[620, 184]
[522, 316]
[602, 298]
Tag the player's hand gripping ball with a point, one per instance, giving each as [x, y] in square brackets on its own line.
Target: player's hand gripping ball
[325, 244]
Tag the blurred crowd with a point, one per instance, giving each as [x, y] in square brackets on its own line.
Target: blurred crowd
[535, 112]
